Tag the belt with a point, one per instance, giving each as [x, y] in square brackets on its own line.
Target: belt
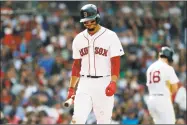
[89, 76]
[157, 94]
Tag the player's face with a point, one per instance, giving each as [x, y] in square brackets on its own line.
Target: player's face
[90, 25]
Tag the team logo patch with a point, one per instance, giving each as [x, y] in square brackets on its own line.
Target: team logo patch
[85, 14]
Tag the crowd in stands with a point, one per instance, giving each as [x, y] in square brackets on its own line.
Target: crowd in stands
[36, 57]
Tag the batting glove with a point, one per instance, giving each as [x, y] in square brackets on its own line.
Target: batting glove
[71, 92]
[111, 89]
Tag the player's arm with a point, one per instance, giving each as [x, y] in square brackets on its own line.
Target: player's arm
[74, 77]
[172, 81]
[116, 50]
[75, 72]
[115, 68]
[173, 87]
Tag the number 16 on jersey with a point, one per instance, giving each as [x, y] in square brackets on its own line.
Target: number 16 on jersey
[154, 77]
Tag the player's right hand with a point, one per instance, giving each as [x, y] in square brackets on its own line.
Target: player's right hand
[71, 92]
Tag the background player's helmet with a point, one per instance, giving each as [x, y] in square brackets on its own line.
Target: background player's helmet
[167, 53]
[89, 12]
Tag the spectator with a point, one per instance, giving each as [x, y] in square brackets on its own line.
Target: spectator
[131, 118]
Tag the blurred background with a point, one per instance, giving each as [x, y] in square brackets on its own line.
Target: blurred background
[36, 57]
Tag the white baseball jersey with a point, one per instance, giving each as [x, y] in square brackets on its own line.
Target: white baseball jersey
[157, 75]
[96, 51]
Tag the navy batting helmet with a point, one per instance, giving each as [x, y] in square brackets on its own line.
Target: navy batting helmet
[89, 12]
[167, 53]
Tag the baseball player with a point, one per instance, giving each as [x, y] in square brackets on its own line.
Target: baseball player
[162, 83]
[96, 54]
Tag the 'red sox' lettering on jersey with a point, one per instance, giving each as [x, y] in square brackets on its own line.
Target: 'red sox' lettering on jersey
[98, 50]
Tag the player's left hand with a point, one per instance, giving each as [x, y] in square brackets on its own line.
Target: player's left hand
[111, 89]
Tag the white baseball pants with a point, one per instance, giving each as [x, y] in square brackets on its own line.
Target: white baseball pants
[91, 94]
[161, 109]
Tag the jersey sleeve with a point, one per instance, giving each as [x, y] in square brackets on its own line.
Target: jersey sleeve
[172, 76]
[116, 48]
[76, 54]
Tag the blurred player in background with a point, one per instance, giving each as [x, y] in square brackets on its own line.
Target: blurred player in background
[162, 82]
